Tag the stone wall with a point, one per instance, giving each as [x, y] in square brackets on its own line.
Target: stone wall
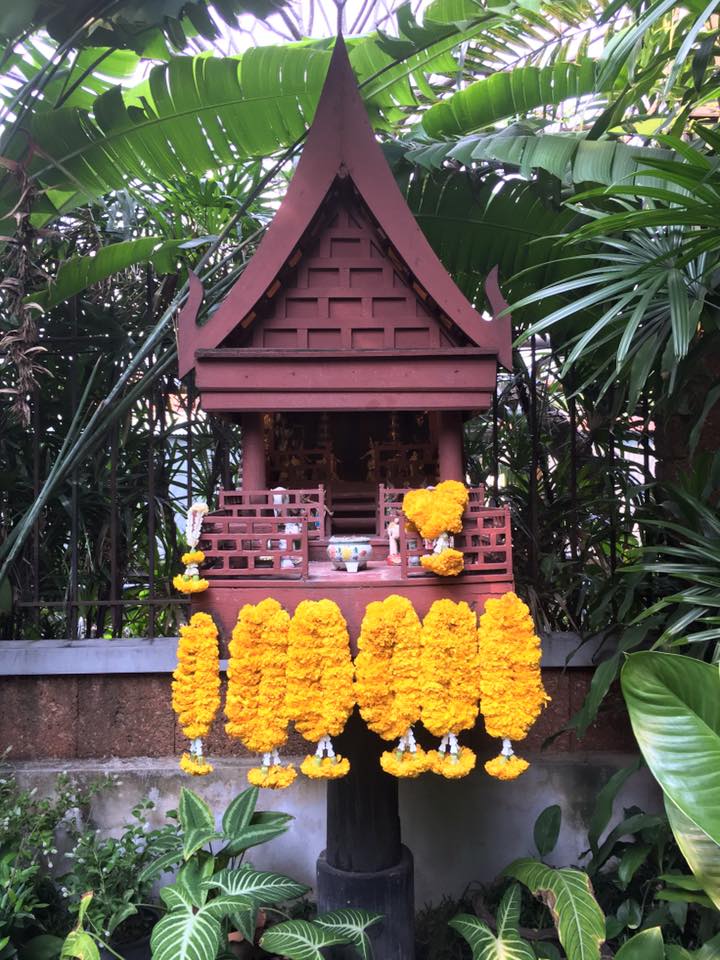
[95, 707]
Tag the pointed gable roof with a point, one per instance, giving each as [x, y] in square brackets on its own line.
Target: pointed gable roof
[341, 143]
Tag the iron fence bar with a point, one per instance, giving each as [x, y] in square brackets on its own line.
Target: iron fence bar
[611, 505]
[572, 413]
[116, 610]
[36, 491]
[151, 509]
[72, 612]
[534, 462]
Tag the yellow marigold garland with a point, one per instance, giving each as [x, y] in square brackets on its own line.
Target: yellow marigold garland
[325, 768]
[255, 704]
[437, 511]
[320, 694]
[405, 762]
[449, 563]
[274, 777]
[196, 687]
[450, 683]
[387, 685]
[190, 581]
[506, 767]
[511, 690]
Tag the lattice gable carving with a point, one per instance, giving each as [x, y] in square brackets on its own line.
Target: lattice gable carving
[345, 290]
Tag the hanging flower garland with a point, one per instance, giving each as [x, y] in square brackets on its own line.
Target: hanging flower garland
[511, 690]
[437, 514]
[387, 686]
[196, 687]
[437, 511]
[320, 695]
[255, 702]
[190, 580]
[449, 683]
[448, 563]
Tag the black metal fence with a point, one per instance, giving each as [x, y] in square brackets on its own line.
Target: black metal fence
[102, 555]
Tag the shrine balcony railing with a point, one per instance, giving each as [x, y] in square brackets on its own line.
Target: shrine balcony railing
[254, 536]
[238, 547]
[308, 504]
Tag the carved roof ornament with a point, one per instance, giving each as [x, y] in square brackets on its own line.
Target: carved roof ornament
[341, 147]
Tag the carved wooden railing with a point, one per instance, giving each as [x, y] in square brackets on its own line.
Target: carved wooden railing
[485, 541]
[390, 504]
[238, 547]
[307, 504]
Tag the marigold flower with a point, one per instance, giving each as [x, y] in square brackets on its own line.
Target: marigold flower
[274, 777]
[450, 675]
[506, 768]
[449, 563]
[255, 703]
[325, 768]
[193, 557]
[511, 690]
[187, 584]
[405, 763]
[320, 694]
[196, 679]
[452, 766]
[436, 511]
[387, 667]
[194, 765]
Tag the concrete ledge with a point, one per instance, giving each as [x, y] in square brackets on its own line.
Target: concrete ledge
[53, 658]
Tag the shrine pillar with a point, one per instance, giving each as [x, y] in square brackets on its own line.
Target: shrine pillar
[451, 455]
[365, 864]
[253, 451]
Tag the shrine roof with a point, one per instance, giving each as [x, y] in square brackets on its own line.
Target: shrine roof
[340, 145]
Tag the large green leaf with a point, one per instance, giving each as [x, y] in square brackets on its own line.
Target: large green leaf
[265, 888]
[263, 826]
[78, 273]
[568, 156]
[507, 94]
[646, 945]
[197, 821]
[485, 945]
[568, 895]
[352, 925]
[300, 940]
[674, 706]
[701, 853]
[474, 225]
[239, 811]
[186, 935]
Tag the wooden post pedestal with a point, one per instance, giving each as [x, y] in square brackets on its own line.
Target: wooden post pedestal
[365, 865]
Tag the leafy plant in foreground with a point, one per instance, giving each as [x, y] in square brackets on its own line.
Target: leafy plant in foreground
[215, 892]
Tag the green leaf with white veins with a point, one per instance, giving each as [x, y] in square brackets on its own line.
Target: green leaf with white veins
[351, 924]
[299, 940]
[185, 935]
[568, 895]
[264, 888]
[485, 945]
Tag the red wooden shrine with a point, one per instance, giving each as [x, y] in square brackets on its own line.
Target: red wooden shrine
[351, 359]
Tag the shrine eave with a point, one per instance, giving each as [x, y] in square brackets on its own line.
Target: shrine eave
[237, 380]
[342, 144]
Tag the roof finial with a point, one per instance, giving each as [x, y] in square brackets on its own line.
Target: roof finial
[340, 5]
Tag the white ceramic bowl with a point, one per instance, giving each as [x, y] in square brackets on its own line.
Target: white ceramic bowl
[349, 553]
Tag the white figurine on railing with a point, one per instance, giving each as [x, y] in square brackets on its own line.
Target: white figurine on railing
[287, 562]
[393, 535]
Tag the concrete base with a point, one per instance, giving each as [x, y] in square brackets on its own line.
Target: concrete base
[389, 892]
